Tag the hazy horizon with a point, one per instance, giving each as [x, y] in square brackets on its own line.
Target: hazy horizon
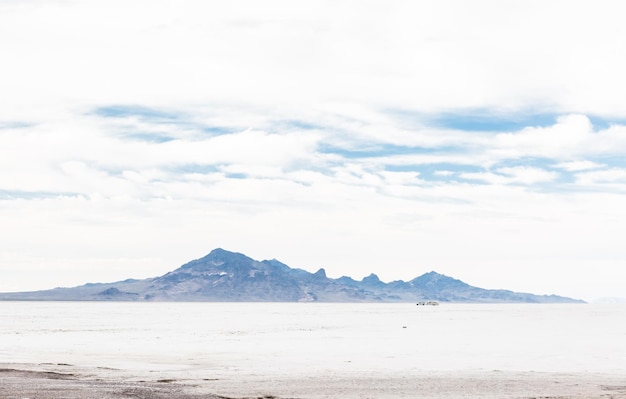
[485, 140]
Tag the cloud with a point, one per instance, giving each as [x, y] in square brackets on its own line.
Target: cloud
[513, 175]
[569, 137]
[528, 175]
[432, 57]
[99, 153]
[576, 166]
[488, 177]
[611, 176]
[553, 146]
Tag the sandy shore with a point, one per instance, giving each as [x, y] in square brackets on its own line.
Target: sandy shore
[61, 381]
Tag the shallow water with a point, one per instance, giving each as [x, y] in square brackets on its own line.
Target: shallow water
[298, 338]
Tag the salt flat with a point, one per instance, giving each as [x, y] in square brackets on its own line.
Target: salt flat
[320, 350]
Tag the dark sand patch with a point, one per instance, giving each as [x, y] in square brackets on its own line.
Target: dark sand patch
[18, 383]
[50, 381]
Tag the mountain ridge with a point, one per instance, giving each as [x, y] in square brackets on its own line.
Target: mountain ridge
[224, 276]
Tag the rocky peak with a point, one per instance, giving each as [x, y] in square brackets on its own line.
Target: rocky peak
[219, 259]
[321, 273]
[435, 279]
[372, 279]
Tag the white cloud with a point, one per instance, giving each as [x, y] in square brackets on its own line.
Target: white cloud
[576, 166]
[415, 55]
[510, 175]
[528, 175]
[487, 177]
[570, 136]
[614, 175]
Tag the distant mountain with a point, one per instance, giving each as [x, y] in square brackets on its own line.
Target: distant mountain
[224, 276]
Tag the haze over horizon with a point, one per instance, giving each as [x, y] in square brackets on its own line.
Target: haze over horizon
[484, 140]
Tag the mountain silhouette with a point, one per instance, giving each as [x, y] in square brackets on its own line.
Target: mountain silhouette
[224, 276]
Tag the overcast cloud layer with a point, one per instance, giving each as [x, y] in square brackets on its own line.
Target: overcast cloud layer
[485, 140]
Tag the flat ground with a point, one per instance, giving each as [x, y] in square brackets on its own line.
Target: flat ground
[62, 381]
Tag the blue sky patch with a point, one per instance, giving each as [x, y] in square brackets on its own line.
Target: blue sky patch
[530, 162]
[482, 121]
[434, 167]
[194, 168]
[216, 130]
[377, 151]
[127, 111]
[15, 125]
[600, 123]
[149, 137]
[158, 117]
[478, 120]
[236, 176]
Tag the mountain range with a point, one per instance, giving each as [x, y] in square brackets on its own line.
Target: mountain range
[224, 276]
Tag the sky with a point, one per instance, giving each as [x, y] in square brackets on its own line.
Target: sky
[484, 140]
